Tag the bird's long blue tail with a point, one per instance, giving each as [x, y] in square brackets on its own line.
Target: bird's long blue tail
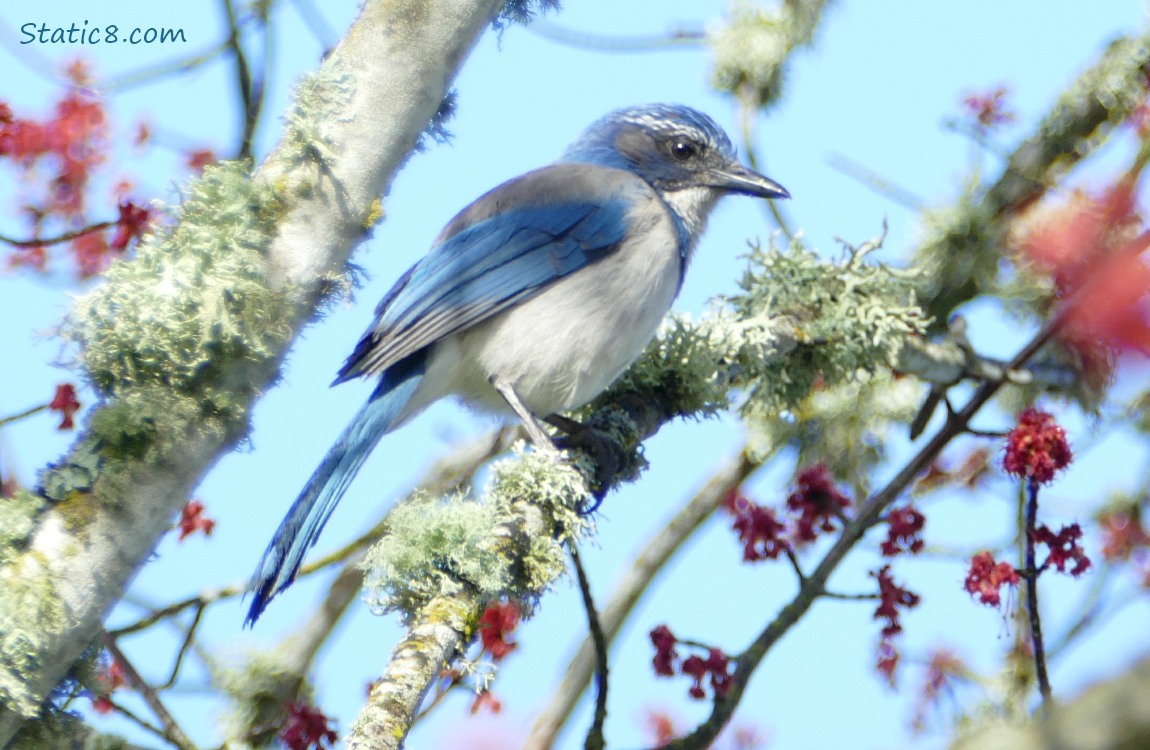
[304, 522]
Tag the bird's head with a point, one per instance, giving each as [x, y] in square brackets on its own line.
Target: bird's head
[672, 147]
[680, 151]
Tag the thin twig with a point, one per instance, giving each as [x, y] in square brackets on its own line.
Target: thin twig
[875, 182]
[138, 720]
[1032, 598]
[184, 647]
[626, 44]
[594, 739]
[23, 414]
[251, 93]
[849, 597]
[747, 127]
[172, 731]
[65, 237]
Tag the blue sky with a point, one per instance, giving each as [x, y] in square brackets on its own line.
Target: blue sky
[877, 87]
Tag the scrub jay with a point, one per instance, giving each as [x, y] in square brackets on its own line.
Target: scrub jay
[535, 297]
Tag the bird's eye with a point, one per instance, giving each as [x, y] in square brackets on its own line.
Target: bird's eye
[683, 150]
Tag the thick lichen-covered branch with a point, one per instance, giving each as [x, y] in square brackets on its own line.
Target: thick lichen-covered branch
[180, 342]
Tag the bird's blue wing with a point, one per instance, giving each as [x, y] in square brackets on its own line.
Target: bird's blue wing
[482, 269]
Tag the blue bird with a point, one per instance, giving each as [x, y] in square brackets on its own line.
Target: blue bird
[534, 297]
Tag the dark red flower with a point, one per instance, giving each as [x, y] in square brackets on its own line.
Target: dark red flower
[989, 109]
[891, 598]
[495, 625]
[133, 222]
[307, 728]
[1063, 548]
[986, 577]
[192, 519]
[904, 531]
[665, 655]
[716, 665]
[1037, 448]
[66, 403]
[760, 532]
[818, 503]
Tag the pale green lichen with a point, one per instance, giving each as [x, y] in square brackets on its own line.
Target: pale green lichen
[755, 41]
[55, 730]
[438, 547]
[320, 97]
[18, 515]
[547, 480]
[799, 320]
[435, 547]
[192, 304]
[259, 685]
[178, 340]
[31, 613]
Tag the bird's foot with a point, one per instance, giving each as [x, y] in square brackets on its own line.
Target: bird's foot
[608, 456]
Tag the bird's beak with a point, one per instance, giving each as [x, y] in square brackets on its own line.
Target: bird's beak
[739, 179]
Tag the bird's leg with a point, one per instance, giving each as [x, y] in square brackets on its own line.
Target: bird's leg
[530, 423]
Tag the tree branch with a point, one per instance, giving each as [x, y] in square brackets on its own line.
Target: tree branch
[385, 80]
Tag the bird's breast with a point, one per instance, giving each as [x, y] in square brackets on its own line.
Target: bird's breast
[565, 345]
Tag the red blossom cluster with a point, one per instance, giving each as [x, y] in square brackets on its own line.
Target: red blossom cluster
[986, 577]
[988, 109]
[307, 728]
[65, 402]
[1095, 250]
[904, 531]
[131, 224]
[496, 623]
[56, 158]
[111, 679]
[817, 502]
[761, 533]
[1036, 449]
[716, 664]
[1064, 549]
[192, 519]
[199, 158]
[892, 597]
[814, 508]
